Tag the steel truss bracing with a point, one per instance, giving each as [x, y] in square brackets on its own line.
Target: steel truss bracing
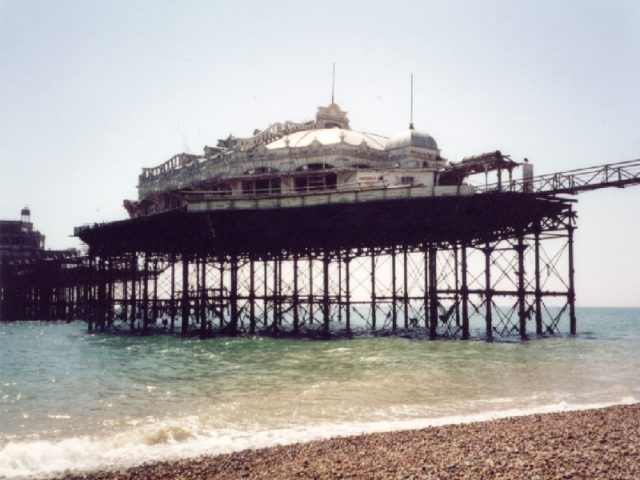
[517, 283]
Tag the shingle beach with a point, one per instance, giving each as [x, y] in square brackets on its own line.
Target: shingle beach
[588, 444]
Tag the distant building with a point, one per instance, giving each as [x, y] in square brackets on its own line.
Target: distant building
[18, 239]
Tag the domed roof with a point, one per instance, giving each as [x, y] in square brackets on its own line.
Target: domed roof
[411, 138]
[329, 136]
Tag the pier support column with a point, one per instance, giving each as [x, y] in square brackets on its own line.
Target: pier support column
[221, 299]
[433, 294]
[571, 294]
[521, 288]
[311, 292]
[172, 301]
[93, 277]
[296, 297]
[233, 295]
[252, 296]
[456, 282]
[265, 293]
[203, 296]
[276, 317]
[154, 301]
[347, 293]
[464, 290]
[134, 281]
[110, 300]
[185, 294]
[145, 294]
[394, 292]
[538, 294]
[125, 293]
[488, 293]
[374, 302]
[101, 310]
[405, 286]
[325, 293]
[425, 274]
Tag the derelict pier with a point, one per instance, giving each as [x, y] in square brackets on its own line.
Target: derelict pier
[313, 229]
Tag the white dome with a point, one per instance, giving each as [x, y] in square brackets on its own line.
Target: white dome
[329, 136]
[411, 138]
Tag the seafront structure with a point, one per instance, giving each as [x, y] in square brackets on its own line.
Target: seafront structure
[315, 229]
[35, 283]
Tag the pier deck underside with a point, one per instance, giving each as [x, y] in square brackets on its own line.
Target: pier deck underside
[406, 222]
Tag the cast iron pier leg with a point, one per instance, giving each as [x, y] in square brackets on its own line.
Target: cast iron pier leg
[521, 291]
[203, 296]
[252, 297]
[571, 292]
[296, 298]
[405, 286]
[465, 294]
[325, 293]
[172, 302]
[488, 293]
[374, 305]
[185, 294]
[145, 294]
[234, 295]
[347, 280]
[134, 281]
[433, 294]
[537, 280]
[394, 293]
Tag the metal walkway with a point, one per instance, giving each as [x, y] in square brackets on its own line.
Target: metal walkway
[617, 175]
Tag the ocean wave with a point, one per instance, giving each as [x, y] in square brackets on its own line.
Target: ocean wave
[190, 437]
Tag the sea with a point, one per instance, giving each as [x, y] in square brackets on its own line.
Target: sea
[74, 401]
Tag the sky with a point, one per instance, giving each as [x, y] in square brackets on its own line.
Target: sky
[91, 92]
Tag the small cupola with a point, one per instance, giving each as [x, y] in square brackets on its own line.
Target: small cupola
[25, 215]
[411, 138]
[332, 117]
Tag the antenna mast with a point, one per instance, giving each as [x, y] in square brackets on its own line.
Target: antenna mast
[333, 82]
[411, 121]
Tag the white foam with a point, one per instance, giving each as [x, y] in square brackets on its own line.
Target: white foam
[186, 438]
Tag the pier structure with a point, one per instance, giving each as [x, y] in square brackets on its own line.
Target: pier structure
[314, 229]
[388, 267]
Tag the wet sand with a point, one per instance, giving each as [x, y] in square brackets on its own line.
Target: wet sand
[588, 444]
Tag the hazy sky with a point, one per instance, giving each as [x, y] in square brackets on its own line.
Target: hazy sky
[92, 91]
